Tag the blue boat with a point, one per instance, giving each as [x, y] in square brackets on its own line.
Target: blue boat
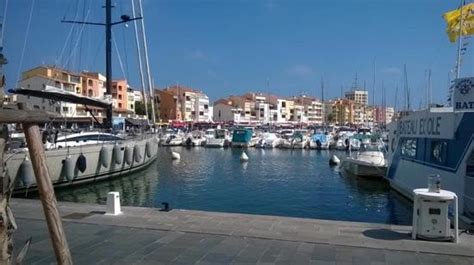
[241, 137]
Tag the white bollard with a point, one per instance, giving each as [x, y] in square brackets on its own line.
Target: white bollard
[113, 203]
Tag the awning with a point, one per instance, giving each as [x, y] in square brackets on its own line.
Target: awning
[62, 95]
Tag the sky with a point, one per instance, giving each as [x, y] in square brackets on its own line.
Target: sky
[229, 47]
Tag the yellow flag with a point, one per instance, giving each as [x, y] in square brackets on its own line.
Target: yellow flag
[453, 19]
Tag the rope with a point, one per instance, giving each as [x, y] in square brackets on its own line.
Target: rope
[24, 43]
[118, 55]
[3, 22]
[78, 40]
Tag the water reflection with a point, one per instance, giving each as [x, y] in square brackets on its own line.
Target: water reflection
[135, 190]
[297, 183]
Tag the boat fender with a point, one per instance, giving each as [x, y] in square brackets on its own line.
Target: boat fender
[334, 160]
[175, 155]
[244, 157]
[25, 173]
[128, 155]
[148, 149]
[81, 163]
[117, 154]
[104, 156]
[136, 154]
[346, 142]
[318, 143]
[67, 169]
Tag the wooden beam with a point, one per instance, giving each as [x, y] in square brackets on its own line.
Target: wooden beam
[6, 227]
[46, 193]
[21, 116]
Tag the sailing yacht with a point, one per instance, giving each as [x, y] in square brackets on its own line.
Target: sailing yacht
[81, 158]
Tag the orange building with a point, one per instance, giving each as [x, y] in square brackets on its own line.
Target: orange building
[120, 95]
[169, 106]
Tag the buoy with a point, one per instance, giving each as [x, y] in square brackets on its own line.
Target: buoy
[334, 160]
[104, 156]
[128, 155]
[67, 169]
[137, 156]
[244, 157]
[175, 156]
[81, 163]
[148, 149]
[25, 173]
[117, 154]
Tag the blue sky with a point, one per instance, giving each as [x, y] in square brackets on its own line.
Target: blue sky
[229, 47]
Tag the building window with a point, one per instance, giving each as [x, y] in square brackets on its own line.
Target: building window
[90, 93]
[120, 88]
[201, 113]
[65, 109]
[283, 104]
[409, 148]
[131, 106]
[90, 82]
[120, 105]
[219, 114]
[206, 106]
[119, 96]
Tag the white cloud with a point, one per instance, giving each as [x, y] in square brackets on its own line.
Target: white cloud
[392, 70]
[300, 70]
[199, 55]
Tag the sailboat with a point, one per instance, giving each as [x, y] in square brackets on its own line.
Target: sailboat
[97, 155]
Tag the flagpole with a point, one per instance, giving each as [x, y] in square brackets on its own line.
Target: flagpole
[458, 62]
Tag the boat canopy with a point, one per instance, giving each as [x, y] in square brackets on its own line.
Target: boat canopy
[57, 94]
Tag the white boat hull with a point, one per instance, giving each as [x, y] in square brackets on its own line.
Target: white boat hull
[94, 169]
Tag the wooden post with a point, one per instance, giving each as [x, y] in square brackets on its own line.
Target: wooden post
[46, 193]
[7, 226]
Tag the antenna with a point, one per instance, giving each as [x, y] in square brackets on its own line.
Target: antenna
[373, 84]
[407, 91]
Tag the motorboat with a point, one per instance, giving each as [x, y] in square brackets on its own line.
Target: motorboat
[195, 138]
[219, 139]
[320, 141]
[366, 164]
[268, 140]
[242, 137]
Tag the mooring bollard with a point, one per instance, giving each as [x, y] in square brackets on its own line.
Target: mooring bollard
[113, 203]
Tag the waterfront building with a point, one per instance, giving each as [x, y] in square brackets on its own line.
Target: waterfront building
[130, 100]
[120, 95]
[343, 111]
[358, 96]
[138, 95]
[170, 106]
[225, 111]
[43, 77]
[308, 109]
[88, 84]
[384, 116]
[193, 104]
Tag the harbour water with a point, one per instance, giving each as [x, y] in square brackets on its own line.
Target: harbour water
[297, 183]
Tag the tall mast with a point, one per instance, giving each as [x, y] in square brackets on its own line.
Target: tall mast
[147, 65]
[458, 61]
[407, 91]
[322, 102]
[108, 48]
[373, 85]
[140, 63]
[108, 56]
